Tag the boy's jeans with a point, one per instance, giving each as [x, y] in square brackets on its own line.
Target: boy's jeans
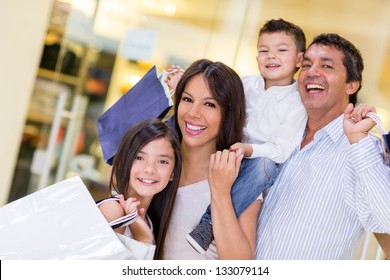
[254, 177]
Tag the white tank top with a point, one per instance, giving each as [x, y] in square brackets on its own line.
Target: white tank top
[190, 204]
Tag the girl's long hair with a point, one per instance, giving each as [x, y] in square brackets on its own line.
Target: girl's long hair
[132, 142]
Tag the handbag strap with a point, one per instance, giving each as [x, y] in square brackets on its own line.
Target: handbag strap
[380, 127]
[122, 221]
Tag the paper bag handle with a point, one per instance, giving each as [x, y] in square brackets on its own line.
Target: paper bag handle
[122, 221]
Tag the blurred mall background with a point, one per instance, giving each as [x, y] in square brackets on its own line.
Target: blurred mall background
[62, 63]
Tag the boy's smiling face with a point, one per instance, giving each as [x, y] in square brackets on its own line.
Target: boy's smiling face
[277, 58]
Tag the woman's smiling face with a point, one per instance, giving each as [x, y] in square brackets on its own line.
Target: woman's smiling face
[199, 115]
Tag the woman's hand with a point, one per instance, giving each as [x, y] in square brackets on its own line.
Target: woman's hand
[234, 237]
[223, 171]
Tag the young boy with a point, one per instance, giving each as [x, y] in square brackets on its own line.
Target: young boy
[276, 118]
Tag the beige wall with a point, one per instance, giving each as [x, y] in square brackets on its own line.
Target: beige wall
[22, 28]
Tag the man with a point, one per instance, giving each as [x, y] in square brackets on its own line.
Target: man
[336, 184]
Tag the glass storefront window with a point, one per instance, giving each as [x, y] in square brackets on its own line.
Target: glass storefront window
[96, 49]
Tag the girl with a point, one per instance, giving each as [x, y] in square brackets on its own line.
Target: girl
[146, 168]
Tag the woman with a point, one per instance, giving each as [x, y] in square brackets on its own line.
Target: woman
[210, 116]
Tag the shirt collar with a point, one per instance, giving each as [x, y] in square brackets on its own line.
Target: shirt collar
[333, 129]
[277, 92]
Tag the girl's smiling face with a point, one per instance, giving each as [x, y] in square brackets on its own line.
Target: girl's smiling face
[152, 169]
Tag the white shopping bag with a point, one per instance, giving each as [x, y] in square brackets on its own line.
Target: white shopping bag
[61, 221]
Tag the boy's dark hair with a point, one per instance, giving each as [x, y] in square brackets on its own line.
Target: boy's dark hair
[353, 60]
[281, 25]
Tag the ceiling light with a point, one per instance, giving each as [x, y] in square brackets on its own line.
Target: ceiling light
[170, 9]
[134, 79]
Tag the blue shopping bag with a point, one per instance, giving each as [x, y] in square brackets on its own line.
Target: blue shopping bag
[386, 137]
[149, 98]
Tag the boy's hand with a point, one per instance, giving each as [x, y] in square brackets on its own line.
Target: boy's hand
[242, 149]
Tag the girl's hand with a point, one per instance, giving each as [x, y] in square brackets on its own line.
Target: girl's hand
[129, 205]
[140, 228]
